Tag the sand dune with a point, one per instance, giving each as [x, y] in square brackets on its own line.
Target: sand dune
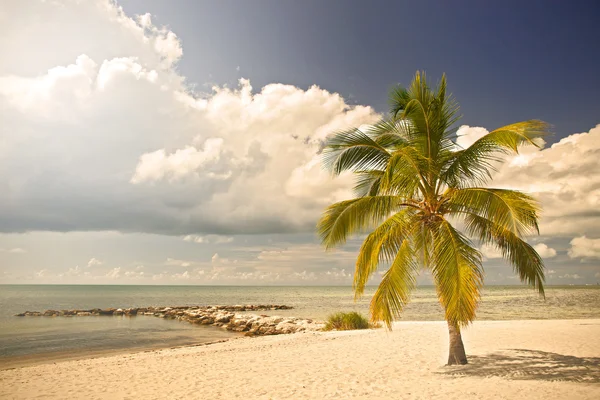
[508, 360]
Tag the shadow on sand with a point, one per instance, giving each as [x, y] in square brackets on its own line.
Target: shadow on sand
[531, 365]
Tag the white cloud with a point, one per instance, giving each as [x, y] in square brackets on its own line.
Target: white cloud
[157, 165]
[173, 262]
[158, 277]
[570, 276]
[467, 135]
[305, 276]
[183, 276]
[563, 177]
[98, 28]
[135, 273]
[114, 273]
[490, 252]
[544, 251]
[583, 247]
[42, 273]
[219, 262]
[93, 262]
[212, 239]
[77, 272]
[117, 140]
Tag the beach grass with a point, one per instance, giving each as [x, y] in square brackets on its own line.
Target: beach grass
[346, 321]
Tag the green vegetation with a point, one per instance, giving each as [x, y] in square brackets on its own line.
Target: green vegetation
[346, 321]
[414, 184]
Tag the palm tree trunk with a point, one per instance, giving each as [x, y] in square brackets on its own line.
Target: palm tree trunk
[456, 353]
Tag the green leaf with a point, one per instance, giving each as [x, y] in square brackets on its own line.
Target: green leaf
[475, 164]
[458, 274]
[382, 245]
[394, 290]
[526, 262]
[353, 150]
[510, 209]
[352, 216]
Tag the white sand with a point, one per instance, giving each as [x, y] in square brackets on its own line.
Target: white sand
[554, 360]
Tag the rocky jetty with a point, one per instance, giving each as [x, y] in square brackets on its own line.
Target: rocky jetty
[236, 318]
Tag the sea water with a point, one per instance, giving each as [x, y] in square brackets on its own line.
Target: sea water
[36, 338]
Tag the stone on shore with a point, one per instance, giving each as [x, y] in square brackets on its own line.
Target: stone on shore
[226, 317]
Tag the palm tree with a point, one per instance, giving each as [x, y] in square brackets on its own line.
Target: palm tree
[424, 199]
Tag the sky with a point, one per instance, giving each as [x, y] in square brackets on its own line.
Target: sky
[151, 142]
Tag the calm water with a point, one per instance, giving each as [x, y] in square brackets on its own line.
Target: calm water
[31, 337]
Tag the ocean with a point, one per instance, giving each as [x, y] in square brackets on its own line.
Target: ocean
[31, 339]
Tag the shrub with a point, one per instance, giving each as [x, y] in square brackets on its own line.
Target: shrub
[345, 321]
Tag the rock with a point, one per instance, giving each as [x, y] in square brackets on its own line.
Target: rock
[223, 316]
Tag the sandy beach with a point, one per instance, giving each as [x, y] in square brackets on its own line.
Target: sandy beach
[550, 359]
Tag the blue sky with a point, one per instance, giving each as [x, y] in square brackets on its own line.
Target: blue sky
[505, 61]
[152, 142]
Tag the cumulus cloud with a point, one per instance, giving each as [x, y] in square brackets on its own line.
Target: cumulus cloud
[563, 177]
[77, 272]
[544, 251]
[98, 28]
[583, 247]
[157, 165]
[114, 273]
[93, 262]
[137, 272]
[183, 276]
[118, 141]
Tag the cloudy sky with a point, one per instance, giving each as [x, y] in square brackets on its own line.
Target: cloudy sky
[150, 143]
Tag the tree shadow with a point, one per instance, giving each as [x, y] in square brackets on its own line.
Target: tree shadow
[521, 364]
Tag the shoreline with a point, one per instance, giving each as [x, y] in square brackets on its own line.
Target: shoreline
[24, 361]
[16, 362]
[545, 359]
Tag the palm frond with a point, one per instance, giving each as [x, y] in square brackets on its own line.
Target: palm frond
[394, 290]
[458, 274]
[398, 98]
[423, 243]
[345, 218]
[406, 173]
[476, 163]
[367, 183]
[510, 209]
[390, 134]
[381, 246]
[444, 114]
[411, 177]
[353, 150]
[526, 262]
